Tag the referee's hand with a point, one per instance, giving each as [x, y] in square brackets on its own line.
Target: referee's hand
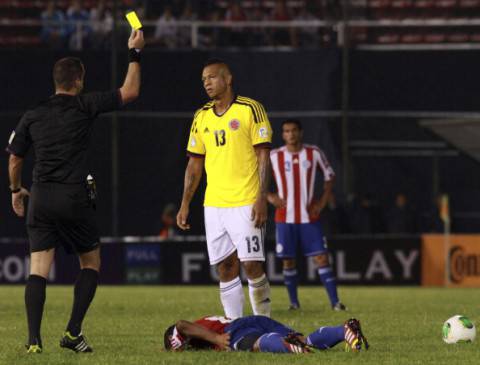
[182, 217]
[18, 203]
[136, 40]
[259, 212]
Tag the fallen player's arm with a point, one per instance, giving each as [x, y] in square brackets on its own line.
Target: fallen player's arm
[193, 330]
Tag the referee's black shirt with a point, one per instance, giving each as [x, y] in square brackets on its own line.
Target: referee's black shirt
[59, 130]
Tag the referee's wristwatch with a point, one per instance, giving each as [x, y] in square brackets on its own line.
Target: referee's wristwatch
[16, 190]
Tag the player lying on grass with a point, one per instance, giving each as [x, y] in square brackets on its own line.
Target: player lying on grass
[259, 334]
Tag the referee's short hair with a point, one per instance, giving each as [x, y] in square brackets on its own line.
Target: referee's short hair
[293, 121]
[66, 71]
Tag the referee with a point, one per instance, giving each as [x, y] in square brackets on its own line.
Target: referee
[61, 210]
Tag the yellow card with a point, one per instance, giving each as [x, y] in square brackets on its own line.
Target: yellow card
[133, 20]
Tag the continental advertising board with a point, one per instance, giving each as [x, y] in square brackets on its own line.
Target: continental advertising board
[464, 260]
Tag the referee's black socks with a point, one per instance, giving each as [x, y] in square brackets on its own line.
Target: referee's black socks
[34, 302]
[84, 291]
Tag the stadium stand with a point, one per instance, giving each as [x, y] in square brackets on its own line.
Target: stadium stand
[386, 22]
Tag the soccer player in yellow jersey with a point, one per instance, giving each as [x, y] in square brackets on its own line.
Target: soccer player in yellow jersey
[231, 138]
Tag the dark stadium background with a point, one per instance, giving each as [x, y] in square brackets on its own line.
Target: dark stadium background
[151, 150]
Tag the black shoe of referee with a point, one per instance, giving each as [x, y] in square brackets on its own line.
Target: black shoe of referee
[77, 344]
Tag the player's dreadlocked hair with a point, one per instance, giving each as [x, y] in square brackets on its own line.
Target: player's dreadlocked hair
[166, 337]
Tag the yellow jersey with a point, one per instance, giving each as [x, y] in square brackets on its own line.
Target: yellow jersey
[227, 141]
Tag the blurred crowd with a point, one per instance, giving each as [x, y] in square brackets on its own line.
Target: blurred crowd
[170, 36]
[79, 26]
[359, 215]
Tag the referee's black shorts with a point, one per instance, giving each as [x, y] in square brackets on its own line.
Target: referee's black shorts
[61, 215]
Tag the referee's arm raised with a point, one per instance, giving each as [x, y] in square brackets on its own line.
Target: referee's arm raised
[131, 86]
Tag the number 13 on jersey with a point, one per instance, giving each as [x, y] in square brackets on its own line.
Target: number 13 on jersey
[220, 138]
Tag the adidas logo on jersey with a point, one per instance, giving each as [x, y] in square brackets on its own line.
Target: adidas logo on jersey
[206, 130]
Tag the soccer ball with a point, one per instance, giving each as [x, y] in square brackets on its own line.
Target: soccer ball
[458, 329]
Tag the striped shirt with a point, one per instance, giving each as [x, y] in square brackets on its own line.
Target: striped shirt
[295, 177]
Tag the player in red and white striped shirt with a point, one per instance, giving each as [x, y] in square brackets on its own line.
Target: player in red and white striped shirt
[297, 215]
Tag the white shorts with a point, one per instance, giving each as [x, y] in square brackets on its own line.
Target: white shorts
[231, 229]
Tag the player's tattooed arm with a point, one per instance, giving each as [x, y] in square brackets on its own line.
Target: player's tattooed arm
[193, 330]
[264, 170]
[259, 210]
[193, 175]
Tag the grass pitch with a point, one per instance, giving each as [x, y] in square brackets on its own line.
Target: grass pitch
[125, 325]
